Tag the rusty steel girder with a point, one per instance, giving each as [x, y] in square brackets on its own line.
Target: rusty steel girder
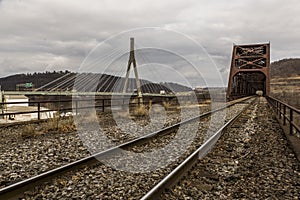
[249, 71]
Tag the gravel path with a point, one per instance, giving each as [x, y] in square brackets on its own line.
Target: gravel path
[250, 161]
[127, 175]
[21, 158]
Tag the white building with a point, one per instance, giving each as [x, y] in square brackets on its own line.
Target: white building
[16, 98]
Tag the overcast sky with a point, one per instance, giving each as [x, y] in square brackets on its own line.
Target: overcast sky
[40, 35]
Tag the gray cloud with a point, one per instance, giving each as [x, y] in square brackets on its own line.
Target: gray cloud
[50, 35]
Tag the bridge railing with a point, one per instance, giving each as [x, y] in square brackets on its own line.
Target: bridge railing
[44, 106]
[289, 115]
[62, 106]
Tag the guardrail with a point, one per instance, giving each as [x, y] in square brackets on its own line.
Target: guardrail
[74, 105]
[58, 106]
[286, 113]
[64, 106]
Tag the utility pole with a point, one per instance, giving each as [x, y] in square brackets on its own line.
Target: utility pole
[133, 61]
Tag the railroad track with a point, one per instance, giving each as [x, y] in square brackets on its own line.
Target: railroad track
[190, 161]
[91, 163]
[251, 160]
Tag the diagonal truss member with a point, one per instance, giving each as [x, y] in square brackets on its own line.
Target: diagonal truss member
[133, 61]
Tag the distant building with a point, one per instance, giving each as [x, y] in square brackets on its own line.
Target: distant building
[162, 92]
[25, 87]
[198, 89]
[16, 98]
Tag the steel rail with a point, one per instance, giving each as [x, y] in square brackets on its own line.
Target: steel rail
[15, 190]
[189, 162]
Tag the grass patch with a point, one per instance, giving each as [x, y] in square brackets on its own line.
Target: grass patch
[141, 111]
[28, 131]
[166, 105]
[89, 117]
[60, 124]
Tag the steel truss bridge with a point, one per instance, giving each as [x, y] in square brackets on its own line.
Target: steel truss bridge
[250, 70]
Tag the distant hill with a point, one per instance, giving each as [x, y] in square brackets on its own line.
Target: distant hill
[38, 79]
[66, 79]
[175, 87]
[285, 68]
[285, 81]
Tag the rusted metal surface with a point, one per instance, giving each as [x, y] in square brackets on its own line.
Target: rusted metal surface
[250, 70]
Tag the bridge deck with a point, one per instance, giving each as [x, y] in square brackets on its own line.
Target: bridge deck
[69, 93]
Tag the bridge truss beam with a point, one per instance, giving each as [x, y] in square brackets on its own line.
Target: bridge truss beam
[249, 71]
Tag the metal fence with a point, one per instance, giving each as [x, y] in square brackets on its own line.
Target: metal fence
[70, 105]
[289, 115]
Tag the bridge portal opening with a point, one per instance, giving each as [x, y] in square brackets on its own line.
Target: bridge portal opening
[248, 83]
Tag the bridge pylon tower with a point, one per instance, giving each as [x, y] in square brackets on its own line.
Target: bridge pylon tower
[133, 62]
[249, 71]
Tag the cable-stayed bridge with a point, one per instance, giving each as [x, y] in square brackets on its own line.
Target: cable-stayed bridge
[101, 84]
[97, 84]
[106, 85]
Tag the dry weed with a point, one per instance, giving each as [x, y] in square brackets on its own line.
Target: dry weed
[28, 131]
[140, 111]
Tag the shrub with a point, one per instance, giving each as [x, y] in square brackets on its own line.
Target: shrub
[61, 124]
[28, 131]
[141, 110]
[167, 105]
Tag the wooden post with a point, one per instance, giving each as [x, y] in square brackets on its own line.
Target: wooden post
[280, 111]
[103, 105]
[284, 114]
[1, 105]
[76, 107]
[291, 121]
[39, 110]
[150, 103]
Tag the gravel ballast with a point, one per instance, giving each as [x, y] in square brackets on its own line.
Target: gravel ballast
[109, 181]
[40, 151]
[252, 160]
